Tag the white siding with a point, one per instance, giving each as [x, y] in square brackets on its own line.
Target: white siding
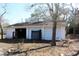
[43, 35]
[63, 32]
[29, 33]
[58, 34]
[47, 33]
[9, 33]
[29, 30]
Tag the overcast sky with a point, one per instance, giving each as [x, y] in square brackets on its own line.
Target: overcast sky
[18, 11]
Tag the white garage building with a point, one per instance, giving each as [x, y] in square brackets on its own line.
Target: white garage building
[36, 30]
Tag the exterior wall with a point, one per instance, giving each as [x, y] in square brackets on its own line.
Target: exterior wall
[58, 34]
[9, 33]
[29, 30]
[46, 31]
[63, 32]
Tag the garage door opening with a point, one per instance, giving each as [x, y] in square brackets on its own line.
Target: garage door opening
[20, 33]
[36, 35]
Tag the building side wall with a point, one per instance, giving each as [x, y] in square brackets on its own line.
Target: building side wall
[46, 31]
[9, 33]
[63, 32]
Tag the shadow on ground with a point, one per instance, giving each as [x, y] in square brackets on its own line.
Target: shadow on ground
[25, 41]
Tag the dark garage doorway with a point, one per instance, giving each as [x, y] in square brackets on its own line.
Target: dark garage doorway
[20, 33]
[36, 35]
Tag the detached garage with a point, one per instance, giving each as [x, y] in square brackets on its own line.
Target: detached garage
[36, 31]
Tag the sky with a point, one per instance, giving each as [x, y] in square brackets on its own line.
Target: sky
[16, 12]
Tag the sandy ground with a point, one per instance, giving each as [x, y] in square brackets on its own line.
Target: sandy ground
[43, 49]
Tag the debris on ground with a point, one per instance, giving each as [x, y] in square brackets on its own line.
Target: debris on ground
[40, 49]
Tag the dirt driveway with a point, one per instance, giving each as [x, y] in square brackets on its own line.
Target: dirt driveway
[44, 49]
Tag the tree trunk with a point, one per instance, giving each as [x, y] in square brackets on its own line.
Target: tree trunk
[74, 36]
[53, 43]
[1, 31]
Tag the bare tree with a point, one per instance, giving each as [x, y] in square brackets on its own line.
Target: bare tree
[73, 17]
[54, 15]
[1, 16]
[55, 11]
